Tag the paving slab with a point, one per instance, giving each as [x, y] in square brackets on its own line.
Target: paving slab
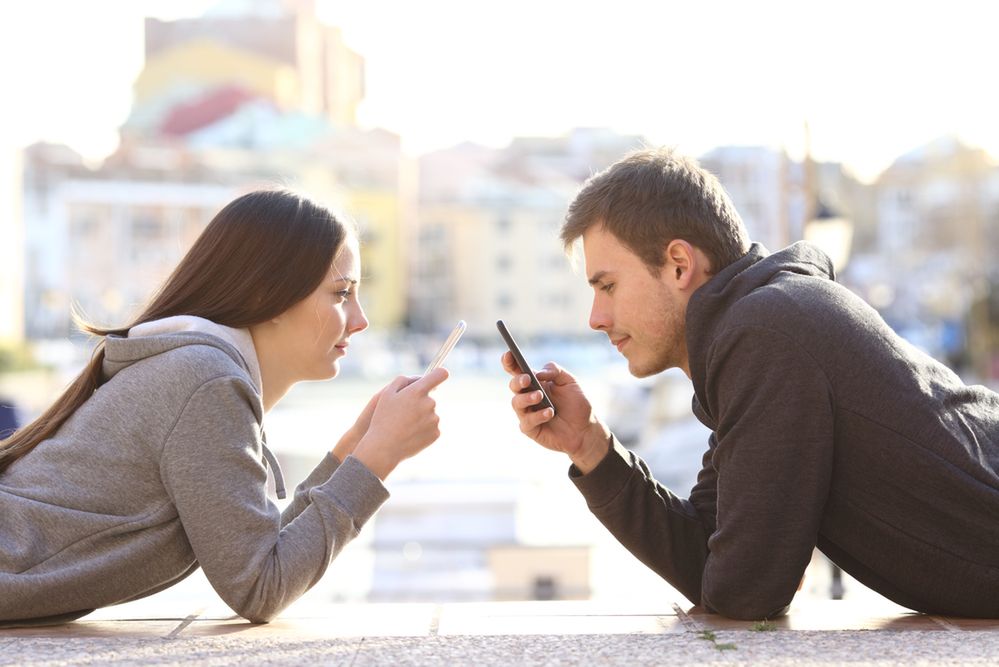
[855, 648]
[511, 633]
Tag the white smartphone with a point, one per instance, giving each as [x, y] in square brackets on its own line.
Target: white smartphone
[448, 345]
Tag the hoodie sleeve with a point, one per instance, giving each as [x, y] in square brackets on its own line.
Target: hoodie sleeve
[213, 469]
[774, 461]
[663, 531]
[322, 472]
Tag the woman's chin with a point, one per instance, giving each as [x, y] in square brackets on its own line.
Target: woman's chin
[324, 373]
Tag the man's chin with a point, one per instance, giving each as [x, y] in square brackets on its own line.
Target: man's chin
[644, 370]
[638, 371]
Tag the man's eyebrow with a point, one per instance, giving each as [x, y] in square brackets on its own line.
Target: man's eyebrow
[597, 277]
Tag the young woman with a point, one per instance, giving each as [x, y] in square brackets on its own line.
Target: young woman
[154, 462]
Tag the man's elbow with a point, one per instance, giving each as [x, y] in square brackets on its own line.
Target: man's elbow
[747, 606]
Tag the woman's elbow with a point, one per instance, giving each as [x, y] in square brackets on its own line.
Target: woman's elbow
[256, 612]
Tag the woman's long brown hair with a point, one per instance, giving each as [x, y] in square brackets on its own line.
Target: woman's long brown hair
[261, 254]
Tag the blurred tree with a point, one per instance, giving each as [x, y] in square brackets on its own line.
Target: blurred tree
[983, 329]
[16, 357]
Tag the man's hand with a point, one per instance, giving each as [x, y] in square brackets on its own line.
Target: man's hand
[575, 430]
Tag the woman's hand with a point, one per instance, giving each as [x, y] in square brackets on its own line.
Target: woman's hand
[345, 447]
[403, 422]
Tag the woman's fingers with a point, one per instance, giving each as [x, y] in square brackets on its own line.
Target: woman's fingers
[432, 379]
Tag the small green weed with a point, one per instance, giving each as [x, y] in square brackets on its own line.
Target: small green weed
[710, 636]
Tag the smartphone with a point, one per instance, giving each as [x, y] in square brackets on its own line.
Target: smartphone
[546, 402]
[448, 345]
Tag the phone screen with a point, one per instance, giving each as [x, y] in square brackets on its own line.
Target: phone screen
[546, 402]
[446, 348]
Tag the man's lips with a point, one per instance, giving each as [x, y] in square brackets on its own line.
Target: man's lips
[620, 342]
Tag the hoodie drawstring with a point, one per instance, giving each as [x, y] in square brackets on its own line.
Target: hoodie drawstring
[275, 467]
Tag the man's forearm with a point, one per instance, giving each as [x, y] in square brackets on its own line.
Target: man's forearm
[662, 530]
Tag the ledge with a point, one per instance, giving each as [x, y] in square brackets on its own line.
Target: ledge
[495, 633]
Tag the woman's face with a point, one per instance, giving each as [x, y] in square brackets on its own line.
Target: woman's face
[317, 329]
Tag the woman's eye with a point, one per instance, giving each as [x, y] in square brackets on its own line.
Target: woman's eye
[342, 295]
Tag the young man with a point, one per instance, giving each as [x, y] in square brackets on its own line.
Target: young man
[828, 429]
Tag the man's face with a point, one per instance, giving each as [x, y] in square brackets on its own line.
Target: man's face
[644, 315]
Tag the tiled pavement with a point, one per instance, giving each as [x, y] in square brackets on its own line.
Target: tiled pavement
[510, 633]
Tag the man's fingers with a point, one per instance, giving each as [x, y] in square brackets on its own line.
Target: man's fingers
[531, 421]
[523, 402]
[556, 374]
[509, 364]
[551, 371]
[520, 382]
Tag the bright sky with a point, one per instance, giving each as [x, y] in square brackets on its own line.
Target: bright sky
[874, 79]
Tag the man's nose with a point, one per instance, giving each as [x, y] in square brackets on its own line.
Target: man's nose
[600, 319]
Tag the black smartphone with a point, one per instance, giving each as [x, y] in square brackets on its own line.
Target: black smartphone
[525, 368]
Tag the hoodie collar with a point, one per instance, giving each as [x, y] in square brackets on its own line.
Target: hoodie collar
[710, 306]
[238, 338]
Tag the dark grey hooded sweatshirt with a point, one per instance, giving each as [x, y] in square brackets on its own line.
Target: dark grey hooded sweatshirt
[160, 471]
[829, 430]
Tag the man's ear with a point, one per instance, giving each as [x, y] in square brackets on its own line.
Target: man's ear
[682, 263]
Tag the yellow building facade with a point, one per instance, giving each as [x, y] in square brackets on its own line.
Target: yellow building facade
[203, 63]
[11, 250]
[383, 254]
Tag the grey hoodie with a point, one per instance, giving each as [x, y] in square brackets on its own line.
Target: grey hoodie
[828, 430]
[160, 471]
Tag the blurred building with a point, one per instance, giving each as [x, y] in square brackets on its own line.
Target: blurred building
[276, 50]
[766, 188]
[487, 239]
[940, 195]
[103, 244]
[938, 228]
[46, 238]
[459, 541]
[11, 254]
[776, 196]
[254, 94]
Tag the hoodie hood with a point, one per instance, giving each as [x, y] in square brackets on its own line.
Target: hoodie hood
[710, 306]
[158, 336]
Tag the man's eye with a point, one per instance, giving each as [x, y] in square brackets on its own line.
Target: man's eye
[607, 287]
